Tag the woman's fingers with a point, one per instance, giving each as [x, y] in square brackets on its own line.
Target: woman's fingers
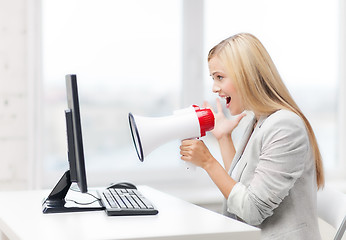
[188, 142]
[187, 148]
[206, 104]
[218, 105]
[239, 117]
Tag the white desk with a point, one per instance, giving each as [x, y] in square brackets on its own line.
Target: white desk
[21, 217]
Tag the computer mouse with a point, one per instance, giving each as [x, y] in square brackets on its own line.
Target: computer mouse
[126, 185]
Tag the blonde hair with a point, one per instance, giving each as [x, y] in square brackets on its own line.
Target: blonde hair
[260, 86]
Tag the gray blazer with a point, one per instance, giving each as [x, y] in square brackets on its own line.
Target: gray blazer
[276, 189]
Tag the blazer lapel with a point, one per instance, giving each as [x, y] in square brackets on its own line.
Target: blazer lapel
[242, 144]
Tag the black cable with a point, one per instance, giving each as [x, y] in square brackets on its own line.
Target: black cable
[88, 203]
[79, 203]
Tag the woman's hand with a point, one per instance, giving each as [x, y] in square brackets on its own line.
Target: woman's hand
[196, 152]
[223, 126]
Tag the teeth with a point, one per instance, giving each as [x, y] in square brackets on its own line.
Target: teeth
[227, 98]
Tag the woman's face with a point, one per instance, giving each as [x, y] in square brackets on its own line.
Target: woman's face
[224, 87]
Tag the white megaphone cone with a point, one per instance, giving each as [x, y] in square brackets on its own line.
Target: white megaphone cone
[149, 133]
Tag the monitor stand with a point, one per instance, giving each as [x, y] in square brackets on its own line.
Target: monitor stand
[56, 202]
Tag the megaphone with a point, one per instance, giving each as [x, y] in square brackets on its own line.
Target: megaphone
[188, 123]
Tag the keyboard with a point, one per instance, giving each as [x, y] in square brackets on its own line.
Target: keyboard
[124, 202]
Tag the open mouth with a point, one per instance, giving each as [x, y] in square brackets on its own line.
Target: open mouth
[228, 100]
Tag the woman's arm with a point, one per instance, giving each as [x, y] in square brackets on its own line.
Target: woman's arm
[196, 152]
[227, 151]
[220, 177]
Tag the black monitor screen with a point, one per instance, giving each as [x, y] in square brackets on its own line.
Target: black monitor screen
[75, 143]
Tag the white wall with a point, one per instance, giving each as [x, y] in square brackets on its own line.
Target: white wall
[13, 95]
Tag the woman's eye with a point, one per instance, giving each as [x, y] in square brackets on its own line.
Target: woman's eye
[219, 77]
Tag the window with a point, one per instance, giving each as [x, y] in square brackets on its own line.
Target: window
[128, 58]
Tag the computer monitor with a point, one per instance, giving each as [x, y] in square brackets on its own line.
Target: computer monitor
[56, 202]
[74, 130]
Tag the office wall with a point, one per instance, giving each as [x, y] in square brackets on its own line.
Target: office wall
[13, 95]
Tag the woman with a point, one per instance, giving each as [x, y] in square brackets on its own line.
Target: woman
[272, 179]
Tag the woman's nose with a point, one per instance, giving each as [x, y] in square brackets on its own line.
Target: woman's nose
[216, 88]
